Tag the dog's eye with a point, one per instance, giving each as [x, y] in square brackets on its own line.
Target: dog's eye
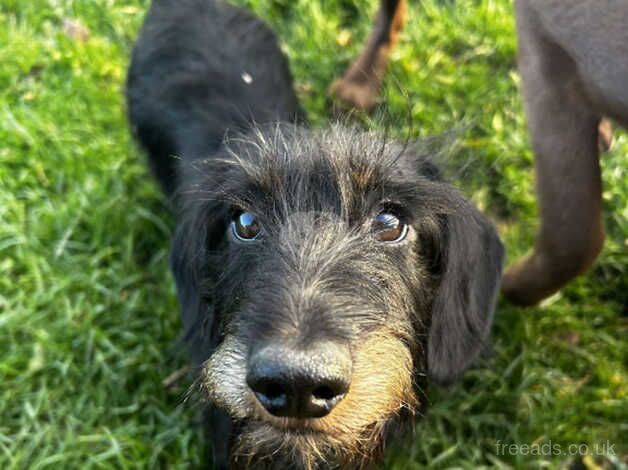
[245, 226]
[388, 228]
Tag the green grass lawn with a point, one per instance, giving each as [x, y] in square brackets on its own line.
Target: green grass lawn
[88, 314]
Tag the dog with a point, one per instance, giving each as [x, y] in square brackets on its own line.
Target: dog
[572, 60]
[324, 275]
[574, 71]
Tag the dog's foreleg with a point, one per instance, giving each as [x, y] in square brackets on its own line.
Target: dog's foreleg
[564, 130]
[360, 85]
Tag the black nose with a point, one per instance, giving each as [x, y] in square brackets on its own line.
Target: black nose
[300, 384]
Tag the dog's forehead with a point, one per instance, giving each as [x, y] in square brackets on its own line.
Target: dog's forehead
[311, 170]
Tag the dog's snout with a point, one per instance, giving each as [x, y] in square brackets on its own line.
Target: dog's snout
[300, 383]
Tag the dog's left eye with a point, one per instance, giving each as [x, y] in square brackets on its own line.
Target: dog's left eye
[246, 227]
[388, 228]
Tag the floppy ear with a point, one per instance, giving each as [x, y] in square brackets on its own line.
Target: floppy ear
[188, 258]
[462, 313]
[195, 311]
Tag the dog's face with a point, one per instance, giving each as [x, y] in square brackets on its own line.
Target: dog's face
[323, 276]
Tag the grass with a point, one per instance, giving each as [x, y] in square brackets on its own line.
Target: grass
[88, 314]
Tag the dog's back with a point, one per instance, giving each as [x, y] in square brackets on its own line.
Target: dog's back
[199, 69]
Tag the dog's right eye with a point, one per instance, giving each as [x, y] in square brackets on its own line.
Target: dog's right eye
[389, 228]
[246, 227]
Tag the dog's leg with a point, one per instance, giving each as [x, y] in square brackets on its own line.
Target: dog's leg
[564, 130]
[359, 86]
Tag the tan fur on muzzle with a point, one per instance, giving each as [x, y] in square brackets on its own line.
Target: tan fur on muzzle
[381, 387]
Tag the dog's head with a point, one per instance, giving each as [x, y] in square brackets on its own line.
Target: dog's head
[322, 276]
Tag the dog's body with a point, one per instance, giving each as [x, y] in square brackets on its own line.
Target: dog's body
[573, 58]
[189, 77]
[322, 275]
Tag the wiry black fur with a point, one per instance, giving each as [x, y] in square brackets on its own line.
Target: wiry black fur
[185, 83]
[318, 272]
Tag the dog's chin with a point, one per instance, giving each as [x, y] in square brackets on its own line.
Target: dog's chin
[263, 441]
[270, 445]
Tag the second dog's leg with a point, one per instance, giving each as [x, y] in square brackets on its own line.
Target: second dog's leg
[359, 86]
[564, 130]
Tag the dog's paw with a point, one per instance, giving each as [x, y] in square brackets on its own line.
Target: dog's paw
[353, 94]
[516, 288]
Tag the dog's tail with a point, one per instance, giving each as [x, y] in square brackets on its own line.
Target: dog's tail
[200, 69]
